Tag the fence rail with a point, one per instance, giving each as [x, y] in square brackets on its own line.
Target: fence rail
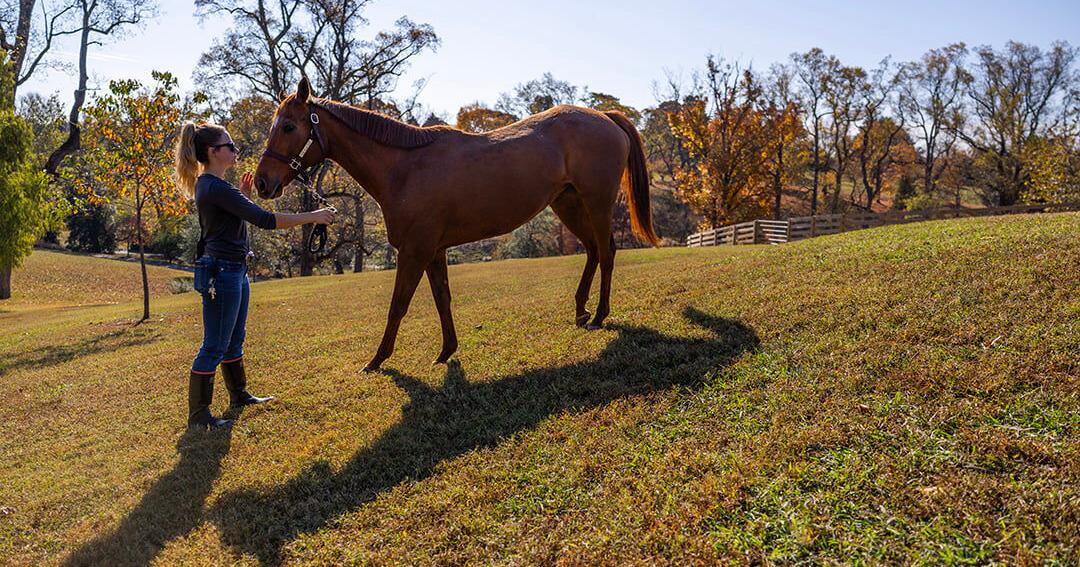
[764, 231]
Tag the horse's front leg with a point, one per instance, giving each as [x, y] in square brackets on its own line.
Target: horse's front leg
[440, 290]
[410, 267]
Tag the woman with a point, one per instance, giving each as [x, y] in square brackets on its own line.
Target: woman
[221, 263]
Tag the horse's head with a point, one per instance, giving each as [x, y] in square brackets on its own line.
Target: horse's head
[293, 144]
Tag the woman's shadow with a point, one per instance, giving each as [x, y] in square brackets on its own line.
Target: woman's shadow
[440, 423]
[171, 508]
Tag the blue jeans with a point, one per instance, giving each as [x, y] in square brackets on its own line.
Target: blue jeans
[225, 290]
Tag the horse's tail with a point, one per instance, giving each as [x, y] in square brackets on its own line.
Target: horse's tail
[637, 192]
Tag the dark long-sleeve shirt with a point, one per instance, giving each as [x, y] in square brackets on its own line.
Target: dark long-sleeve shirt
[223, 210]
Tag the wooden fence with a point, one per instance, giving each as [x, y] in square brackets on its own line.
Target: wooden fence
[798, 228]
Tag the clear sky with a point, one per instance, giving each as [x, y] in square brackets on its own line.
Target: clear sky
[620, 47]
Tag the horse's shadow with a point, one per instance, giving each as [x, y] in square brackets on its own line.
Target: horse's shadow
[441, 423]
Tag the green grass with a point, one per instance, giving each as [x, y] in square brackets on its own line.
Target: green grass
[898, 395]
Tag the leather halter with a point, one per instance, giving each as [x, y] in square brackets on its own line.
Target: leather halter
[316, 135]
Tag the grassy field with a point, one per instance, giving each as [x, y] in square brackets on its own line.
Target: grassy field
[51, 280]
[900, 395]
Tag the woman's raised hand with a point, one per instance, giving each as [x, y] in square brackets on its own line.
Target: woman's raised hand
[247, 181]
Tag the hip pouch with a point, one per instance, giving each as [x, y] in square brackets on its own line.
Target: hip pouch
[206, 270]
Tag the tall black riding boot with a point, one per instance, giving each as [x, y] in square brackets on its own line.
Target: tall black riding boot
[236, 382]
[200, 394]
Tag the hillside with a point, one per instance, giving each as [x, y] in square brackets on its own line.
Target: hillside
[50, 279]
[902, 394]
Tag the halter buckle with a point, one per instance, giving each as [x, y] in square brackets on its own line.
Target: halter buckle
[314, 118]
[295, 164]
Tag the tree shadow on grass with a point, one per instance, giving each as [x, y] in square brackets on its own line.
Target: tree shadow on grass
[171, 507]
[441, 423]
[59, 354]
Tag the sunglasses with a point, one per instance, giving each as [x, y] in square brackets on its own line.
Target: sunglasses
[229, 145]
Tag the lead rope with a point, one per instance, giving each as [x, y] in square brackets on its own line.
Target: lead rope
[319, 234]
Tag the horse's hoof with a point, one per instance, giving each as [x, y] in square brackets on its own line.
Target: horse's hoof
[594, 326]
[371, 368]
[582, 319]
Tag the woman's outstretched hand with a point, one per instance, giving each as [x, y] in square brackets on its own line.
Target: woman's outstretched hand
[323, 216]
[247, 181]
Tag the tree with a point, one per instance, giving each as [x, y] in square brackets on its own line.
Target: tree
[129, 159]
[878, 137]
[1053, 170]
[1017, 95]
[97, 21]
[783, 129]
[25, 211]
[46, 119]
[666, 156]
[841, 101]
[814, 70]
[605, 102]
[722, 130]
[90, 229]
[258, 50]
[533, 239]
[884, 154]
[27, 44]
[931, 103]
[478, 118]
[537, 95]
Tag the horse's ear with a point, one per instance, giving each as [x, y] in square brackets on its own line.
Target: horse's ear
[303, 90]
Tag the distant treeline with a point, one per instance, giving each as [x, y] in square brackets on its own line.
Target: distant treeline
[961, 126]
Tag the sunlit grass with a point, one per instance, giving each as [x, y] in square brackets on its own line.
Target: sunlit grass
[904, 394]
[54, 279]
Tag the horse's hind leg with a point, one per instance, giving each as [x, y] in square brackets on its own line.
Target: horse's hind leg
[599, 214]
[571, 211]
[440, 290]
[607, 266]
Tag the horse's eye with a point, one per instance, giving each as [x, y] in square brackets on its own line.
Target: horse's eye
[289, 128]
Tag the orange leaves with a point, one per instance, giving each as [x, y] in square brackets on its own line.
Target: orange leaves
[728, 148]
[477, 118]
[128, 156]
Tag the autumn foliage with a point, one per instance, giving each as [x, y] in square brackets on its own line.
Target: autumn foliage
[128, 161]
[729, 142]
[478, 118]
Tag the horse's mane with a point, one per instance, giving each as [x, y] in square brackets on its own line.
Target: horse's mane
[379, 127]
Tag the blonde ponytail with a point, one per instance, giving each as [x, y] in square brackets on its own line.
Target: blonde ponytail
[191, 148]
[187, 166]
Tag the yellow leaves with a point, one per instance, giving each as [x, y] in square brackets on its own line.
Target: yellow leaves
[128, 147]
[477, 118]
[729, 152]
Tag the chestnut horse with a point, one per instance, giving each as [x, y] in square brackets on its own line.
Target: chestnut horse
[440, 187]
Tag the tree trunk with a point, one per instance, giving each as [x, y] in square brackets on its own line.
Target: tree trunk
[835, 206]
[306, 263]
[18, 49]
[778, 188]
[928, 176]
[142, 261]
[817, 167]
[73, 142]
[358, 256]
[5, 283]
